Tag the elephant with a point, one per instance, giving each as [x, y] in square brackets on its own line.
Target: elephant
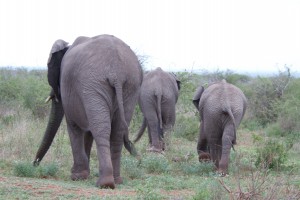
[95, 84]
[221, 107]
[158, 97]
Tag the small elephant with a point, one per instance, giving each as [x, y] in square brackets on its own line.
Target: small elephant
[159, 94]
[221, 106]
[95, 84]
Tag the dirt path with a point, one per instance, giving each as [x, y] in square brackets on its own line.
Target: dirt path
[29, 188]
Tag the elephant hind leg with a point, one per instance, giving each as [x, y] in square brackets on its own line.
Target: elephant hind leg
[227, 143]
[80, 169]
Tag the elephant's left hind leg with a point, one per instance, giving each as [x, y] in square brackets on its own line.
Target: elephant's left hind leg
[202, 147]
[80, 169]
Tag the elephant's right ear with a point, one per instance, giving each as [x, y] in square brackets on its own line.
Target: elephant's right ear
[57, 53]
[197, 96]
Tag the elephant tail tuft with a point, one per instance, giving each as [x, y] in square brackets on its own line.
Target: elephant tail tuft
[130, 147]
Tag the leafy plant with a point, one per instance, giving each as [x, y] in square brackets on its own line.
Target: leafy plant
[155, 163]
[131, 167]
[26, 169]
[271, 155]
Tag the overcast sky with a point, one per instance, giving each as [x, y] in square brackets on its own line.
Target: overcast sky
[244, 36]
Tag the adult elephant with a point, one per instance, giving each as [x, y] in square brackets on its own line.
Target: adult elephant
[95, 84]
[222, 107]
[159, 94]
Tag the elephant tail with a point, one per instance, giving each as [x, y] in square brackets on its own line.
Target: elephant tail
[141, 131]
[229, 112]
[119, 95]
[159, 111]
[55, 119]
[127, 143]
[130, 146]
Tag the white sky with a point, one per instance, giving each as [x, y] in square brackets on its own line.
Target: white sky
[244, 36]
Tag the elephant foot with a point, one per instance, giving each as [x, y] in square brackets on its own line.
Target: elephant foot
[222, 173]
[204, 157]
[80, 175]
[106, 182]
[155, 149]
[119, 180]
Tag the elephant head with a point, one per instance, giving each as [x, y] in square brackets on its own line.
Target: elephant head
[57, 53]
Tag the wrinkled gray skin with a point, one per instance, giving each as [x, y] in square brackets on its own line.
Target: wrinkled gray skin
[221, 107]
[95, 84]
[159, 94]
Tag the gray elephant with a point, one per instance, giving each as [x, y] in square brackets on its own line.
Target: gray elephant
[95, 84]
[221, 106]
[159, 94]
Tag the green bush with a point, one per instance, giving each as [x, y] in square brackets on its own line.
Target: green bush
[26, 169]
[131, 167]
[197, 168]
[155, 163]
[271, 155]
[47, 170]
[26, 88]
[187, 127]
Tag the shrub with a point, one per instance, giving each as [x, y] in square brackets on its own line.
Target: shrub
[131, 166]
[271, 155]
[47, 170]
[26, 88]
[187, 128]
[24, 169]
[197, 168]
[155, 163]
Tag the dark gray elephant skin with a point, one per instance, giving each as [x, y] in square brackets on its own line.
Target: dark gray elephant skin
[221, 107]
[159, 94]
[95, 84]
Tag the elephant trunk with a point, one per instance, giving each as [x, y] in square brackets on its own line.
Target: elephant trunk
[56, 116]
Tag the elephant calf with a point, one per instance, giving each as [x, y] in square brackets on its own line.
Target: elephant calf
[221, 107]
[159, 94]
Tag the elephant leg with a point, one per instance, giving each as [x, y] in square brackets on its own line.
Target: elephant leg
[99, 117]
[155, 141]
[168, 118]
[153, 124]
[202, 147]
[88, 143]
[227, 142]
[116, 144]
[215, 148]
[80, 169]
[118, 131]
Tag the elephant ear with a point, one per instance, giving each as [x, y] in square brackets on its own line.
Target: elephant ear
[197, 96]
[177, 80]
[57, 53]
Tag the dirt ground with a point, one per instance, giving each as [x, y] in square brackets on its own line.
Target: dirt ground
[29, 188]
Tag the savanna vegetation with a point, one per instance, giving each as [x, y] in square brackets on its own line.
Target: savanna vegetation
[264, 165]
